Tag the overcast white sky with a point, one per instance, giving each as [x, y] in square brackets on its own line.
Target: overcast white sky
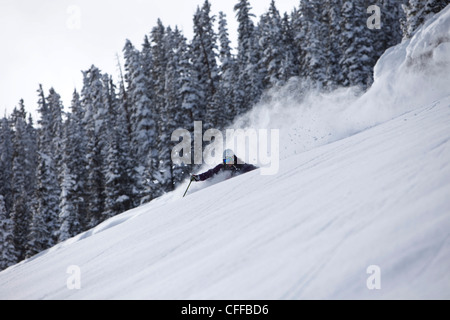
[51, 41]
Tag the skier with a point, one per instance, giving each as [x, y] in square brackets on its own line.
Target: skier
[230, 163]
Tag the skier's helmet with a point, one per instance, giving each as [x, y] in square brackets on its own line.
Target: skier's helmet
[228, 157]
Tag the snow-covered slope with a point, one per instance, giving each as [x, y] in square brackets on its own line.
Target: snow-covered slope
[379, 197]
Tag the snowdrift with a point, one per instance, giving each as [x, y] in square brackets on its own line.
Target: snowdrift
[363, 183]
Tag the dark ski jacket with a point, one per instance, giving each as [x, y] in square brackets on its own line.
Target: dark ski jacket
[236, 169]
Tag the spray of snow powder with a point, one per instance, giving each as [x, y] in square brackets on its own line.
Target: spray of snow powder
[410, 75]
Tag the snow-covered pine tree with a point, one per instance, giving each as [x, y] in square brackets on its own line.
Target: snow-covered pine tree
[124, 122]
[222, 109]
[313, 39]
[94, 123]
[69, 223]
[176, 116]
[159, 65]
[72, 199]
[32, 149]
[29, 144]
[288, 66]
[417, 12]
[249, 85]
[126, 159]
[6, 162]
[225, 56]
[331, 29]
[7, 252]
[167, 115]
[44, 225]
[137, 104]
[117, 169]
[22, 186]
[159, 162]
[271, 44]
[20, 217]
[142, 112]
[147, 65]
[298, 36]
[145, 108]
[204, 64]
[435, 6]
[177, 48]
[358, 54]
[56, 125]
[390, 33]
[245, 30]
[189, 90]
[159, 58]
[147, 97]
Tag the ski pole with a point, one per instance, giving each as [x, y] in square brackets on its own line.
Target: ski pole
[187, 188]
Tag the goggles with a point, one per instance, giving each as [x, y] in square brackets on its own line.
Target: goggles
[228, 160]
